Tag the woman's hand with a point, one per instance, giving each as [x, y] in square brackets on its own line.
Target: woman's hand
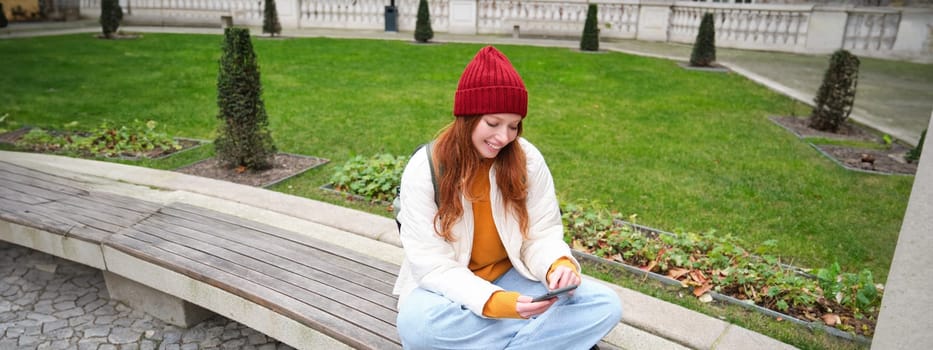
[528, 309]
[563, 276]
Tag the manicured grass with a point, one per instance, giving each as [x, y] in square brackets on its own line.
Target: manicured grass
[682, 149]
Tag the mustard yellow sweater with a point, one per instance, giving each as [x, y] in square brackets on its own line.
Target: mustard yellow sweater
[489, 260]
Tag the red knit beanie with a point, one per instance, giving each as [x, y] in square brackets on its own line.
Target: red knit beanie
[490, 84]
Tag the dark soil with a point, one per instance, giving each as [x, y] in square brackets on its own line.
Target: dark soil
[889, 160]
[12, 137]
[285, 166]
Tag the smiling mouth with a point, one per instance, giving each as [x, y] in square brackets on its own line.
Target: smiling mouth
[493, 146]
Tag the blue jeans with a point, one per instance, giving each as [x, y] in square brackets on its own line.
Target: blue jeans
[430, 321]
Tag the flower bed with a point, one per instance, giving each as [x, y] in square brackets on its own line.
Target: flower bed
[136, 141]
[716, 266]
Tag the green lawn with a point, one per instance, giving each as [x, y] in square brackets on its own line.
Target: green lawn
[681, 149]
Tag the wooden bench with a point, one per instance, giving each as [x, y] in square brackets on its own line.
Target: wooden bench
[337, 292]
[304, 292]
[299, 290]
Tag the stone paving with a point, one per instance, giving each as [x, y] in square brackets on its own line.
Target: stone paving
[51, 303]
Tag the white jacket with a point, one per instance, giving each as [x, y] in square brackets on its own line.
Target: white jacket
[439, 266]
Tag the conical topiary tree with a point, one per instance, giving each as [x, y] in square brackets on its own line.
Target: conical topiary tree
[423, 31]
[110, 16]
[836, 95]
[270, 19]
[3, 21]
[590, 39]
[704, 47]
[243, 138]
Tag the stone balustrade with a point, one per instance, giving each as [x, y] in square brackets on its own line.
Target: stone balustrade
[782, 28]
[884, 32]
[617, 19]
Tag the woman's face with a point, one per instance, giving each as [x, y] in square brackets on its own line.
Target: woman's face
[495, 131]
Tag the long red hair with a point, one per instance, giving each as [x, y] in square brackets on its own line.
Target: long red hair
[457, 161]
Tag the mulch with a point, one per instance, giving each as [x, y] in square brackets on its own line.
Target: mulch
[284, 166]
[889, 160]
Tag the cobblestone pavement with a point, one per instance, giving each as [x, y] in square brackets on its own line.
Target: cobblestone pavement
[51, 303]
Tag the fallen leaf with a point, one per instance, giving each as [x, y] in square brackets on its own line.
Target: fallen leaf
[698, 276]
[240, 169]
[676, 272]
[831, 319]
[577, 245]
[701, 290]
[650, 266]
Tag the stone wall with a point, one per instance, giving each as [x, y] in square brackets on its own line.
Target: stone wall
[893, 32]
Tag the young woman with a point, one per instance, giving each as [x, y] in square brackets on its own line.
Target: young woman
[494, 240]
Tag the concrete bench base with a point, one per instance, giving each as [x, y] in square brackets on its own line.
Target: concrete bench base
[165, 307]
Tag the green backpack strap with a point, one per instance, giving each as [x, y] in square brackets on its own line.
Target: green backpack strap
[397, 204]
[437, 196]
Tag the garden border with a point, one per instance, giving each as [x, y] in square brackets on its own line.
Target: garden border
[833, 159]
[199, 143]
[324, 161]
[717, 296]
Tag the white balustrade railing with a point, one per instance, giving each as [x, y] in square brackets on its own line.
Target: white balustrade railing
[616, 19]
[874, 30]
[782, 28]
[367, 14]
[871, 31]
[341, 14]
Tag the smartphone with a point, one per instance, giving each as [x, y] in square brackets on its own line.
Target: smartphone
[554, 293]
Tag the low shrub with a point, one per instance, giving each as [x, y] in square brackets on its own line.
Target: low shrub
[376, 178]
[134, 140]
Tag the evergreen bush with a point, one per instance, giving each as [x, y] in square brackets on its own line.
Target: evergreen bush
[836, 95]
[914, 154]
[704, 47]
[423, 31]
[3, 21]
[110, 16]
[270, 19]
[243, 138]
[590, 39]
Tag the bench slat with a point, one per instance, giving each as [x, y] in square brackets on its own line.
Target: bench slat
[58, 187]
[48, 220]
[124, 206]
[96, 207]
[381, 270]
[33, 192]
[91, 216]
[360, 270]
[7, 191]
[27, 176]
[164, 254]
[59, 205]
[288, 255]
[288, 281]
